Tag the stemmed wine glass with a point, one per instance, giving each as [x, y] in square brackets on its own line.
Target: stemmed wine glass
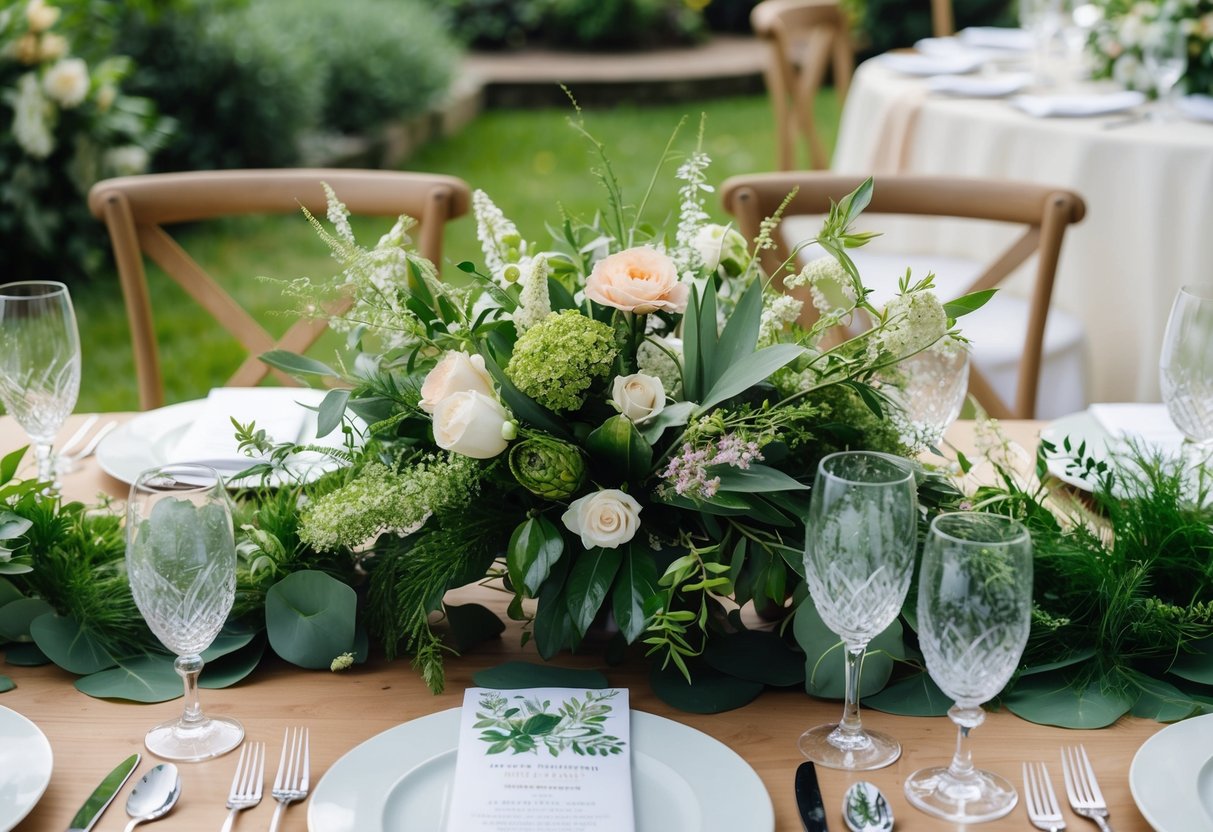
[1186, 367]
[39, 362]
[181, 563]
[974, 608]
[1042, 18]
[1165, 57]
[859, 557]
[930, 386]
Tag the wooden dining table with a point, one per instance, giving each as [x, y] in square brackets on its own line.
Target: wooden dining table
[90, 736]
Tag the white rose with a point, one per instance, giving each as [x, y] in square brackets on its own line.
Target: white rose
[53, 47]
[40, 16]
[127, 160]
[470, 423]
[457, 372]
[638, 396]
[720, 243]
[67, 82]
[607, 518]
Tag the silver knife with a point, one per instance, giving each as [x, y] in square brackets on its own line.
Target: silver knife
[103, 795]
[808, 799]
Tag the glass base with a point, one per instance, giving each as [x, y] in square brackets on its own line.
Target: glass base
[185, 742]
[828, 746]
[984, 796]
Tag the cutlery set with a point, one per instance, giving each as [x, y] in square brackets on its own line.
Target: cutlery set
[865, 809]
[157, 792]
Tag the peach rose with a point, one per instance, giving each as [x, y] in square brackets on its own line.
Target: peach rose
[639, 280]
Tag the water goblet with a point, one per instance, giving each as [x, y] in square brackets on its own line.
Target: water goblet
[974, 608]
[859, 557]
[39, 362]
[1165, 57]
[181, 563]
[1186, 368]
[930, 387]
[1043, 19]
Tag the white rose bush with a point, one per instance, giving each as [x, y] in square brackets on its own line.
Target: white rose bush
[618, 427]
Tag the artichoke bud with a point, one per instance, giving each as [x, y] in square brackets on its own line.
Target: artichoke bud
[548, 467]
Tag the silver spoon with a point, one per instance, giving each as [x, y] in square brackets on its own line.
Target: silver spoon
[154, 795]
[865, 809]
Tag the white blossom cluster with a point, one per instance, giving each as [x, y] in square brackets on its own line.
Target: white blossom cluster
[534, 303]
[832, 289]
[913, 322]
[691, 215]
[778, 312]
[503, 246]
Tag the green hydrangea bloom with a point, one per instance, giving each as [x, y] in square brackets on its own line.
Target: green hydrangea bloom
[559, 359]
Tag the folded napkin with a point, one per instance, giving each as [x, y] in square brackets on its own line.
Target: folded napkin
[1078, 104]
[1196, 107]
[909, 63]
[998, 37]
[1148, 424]
[211, 439]
[980, 86]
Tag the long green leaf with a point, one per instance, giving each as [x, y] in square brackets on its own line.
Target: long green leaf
[692, 366]
[331, 412]
[747, 372]
[591, 578]
[617, 448]
[295, 364]
[969, 303]
[755, 479]
[637, 581]
[708, 338]
[535, 546]
[740, 335]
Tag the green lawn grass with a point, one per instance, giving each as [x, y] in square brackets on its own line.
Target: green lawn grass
[530, 162]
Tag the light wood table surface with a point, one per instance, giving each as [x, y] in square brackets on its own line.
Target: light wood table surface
[89, 736]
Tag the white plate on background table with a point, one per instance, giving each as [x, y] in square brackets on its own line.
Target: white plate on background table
[1147, 424]
[147, 440]
[1171, 777]
[1079, 427]
[401, 781]
[25, 767]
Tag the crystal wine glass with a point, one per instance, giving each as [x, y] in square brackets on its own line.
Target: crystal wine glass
[181, 563]
[974, 607]
[1165, 57]
[859, 557]
[1043, 19]
[39, 362]
[1186, 367]
[930, 386]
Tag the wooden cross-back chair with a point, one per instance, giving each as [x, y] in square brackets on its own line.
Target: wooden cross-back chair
[136, 209]
[1046, 213]
[943, 22]
[805, 37]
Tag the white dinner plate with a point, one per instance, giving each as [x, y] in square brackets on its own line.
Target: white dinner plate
[1196, 107]
[910, 63]
[402, 780]
[1079, 427]
[25, 767]
[1171, 777]
[148, 439]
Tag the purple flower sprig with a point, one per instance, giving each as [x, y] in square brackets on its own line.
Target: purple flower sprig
[688, 472]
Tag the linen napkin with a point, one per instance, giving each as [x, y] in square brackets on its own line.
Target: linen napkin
[998, 37]
[556, 759]
[1147, 424]
[980, 86]
[1196, 107]
[1078, 104]
[211, 439]
[910, 63]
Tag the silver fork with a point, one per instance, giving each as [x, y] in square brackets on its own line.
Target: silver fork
[65, 463]
[246, 784]
[1040, 799]
[1081, 787]
[291, 783]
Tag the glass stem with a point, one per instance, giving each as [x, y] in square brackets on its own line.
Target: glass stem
[966, 720]
[188, 668]
[850, 708]
[46, 463]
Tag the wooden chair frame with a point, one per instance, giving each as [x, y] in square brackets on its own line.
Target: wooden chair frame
[135, 209]
[794, 76]
[1045, 211]
[943, 22]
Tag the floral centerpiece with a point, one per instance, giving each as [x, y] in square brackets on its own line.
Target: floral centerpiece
[1117, 41]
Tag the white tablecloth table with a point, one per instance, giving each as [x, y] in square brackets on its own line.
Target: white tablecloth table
[1148, 188]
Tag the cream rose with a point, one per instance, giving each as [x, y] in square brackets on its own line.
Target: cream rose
[470, 423]
[638, 396]
[40, 16]
[639, 280]
[67, 82]
[607, 518]
[53, 47]
[457, 372]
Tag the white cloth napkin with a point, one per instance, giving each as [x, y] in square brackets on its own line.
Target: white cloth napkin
[980, 86]
[909, 63]
[1149, 424]
[997, 37]
[1196, 107]
[1078, 104]
[211, 439]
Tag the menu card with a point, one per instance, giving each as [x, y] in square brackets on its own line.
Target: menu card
[543, 760]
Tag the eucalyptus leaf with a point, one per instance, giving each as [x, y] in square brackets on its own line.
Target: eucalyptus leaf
[1162, 701]
[8, 592]
[13, 525]
[617, 447]
[16, 617]
[331, 412]
[749, 371]
[296, 365]
[756, 656]
[228, 641]
[534, 548]
[24, 654]
[472, 624]
[915, 695]
[825, 657]
[1078, 657]
[1069, 699]
[69, 645]
[6, 684]
[309, 618]
[712, 692]
[516, 675]
[232, 667]
[591, 576]
[148, 678]
[1195, 665]
[635, 583]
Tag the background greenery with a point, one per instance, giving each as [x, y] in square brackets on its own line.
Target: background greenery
[528, 161]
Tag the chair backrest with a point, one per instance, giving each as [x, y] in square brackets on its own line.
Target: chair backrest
[135, 209]
[943, 22]
[805, 36]
[1046, 212]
